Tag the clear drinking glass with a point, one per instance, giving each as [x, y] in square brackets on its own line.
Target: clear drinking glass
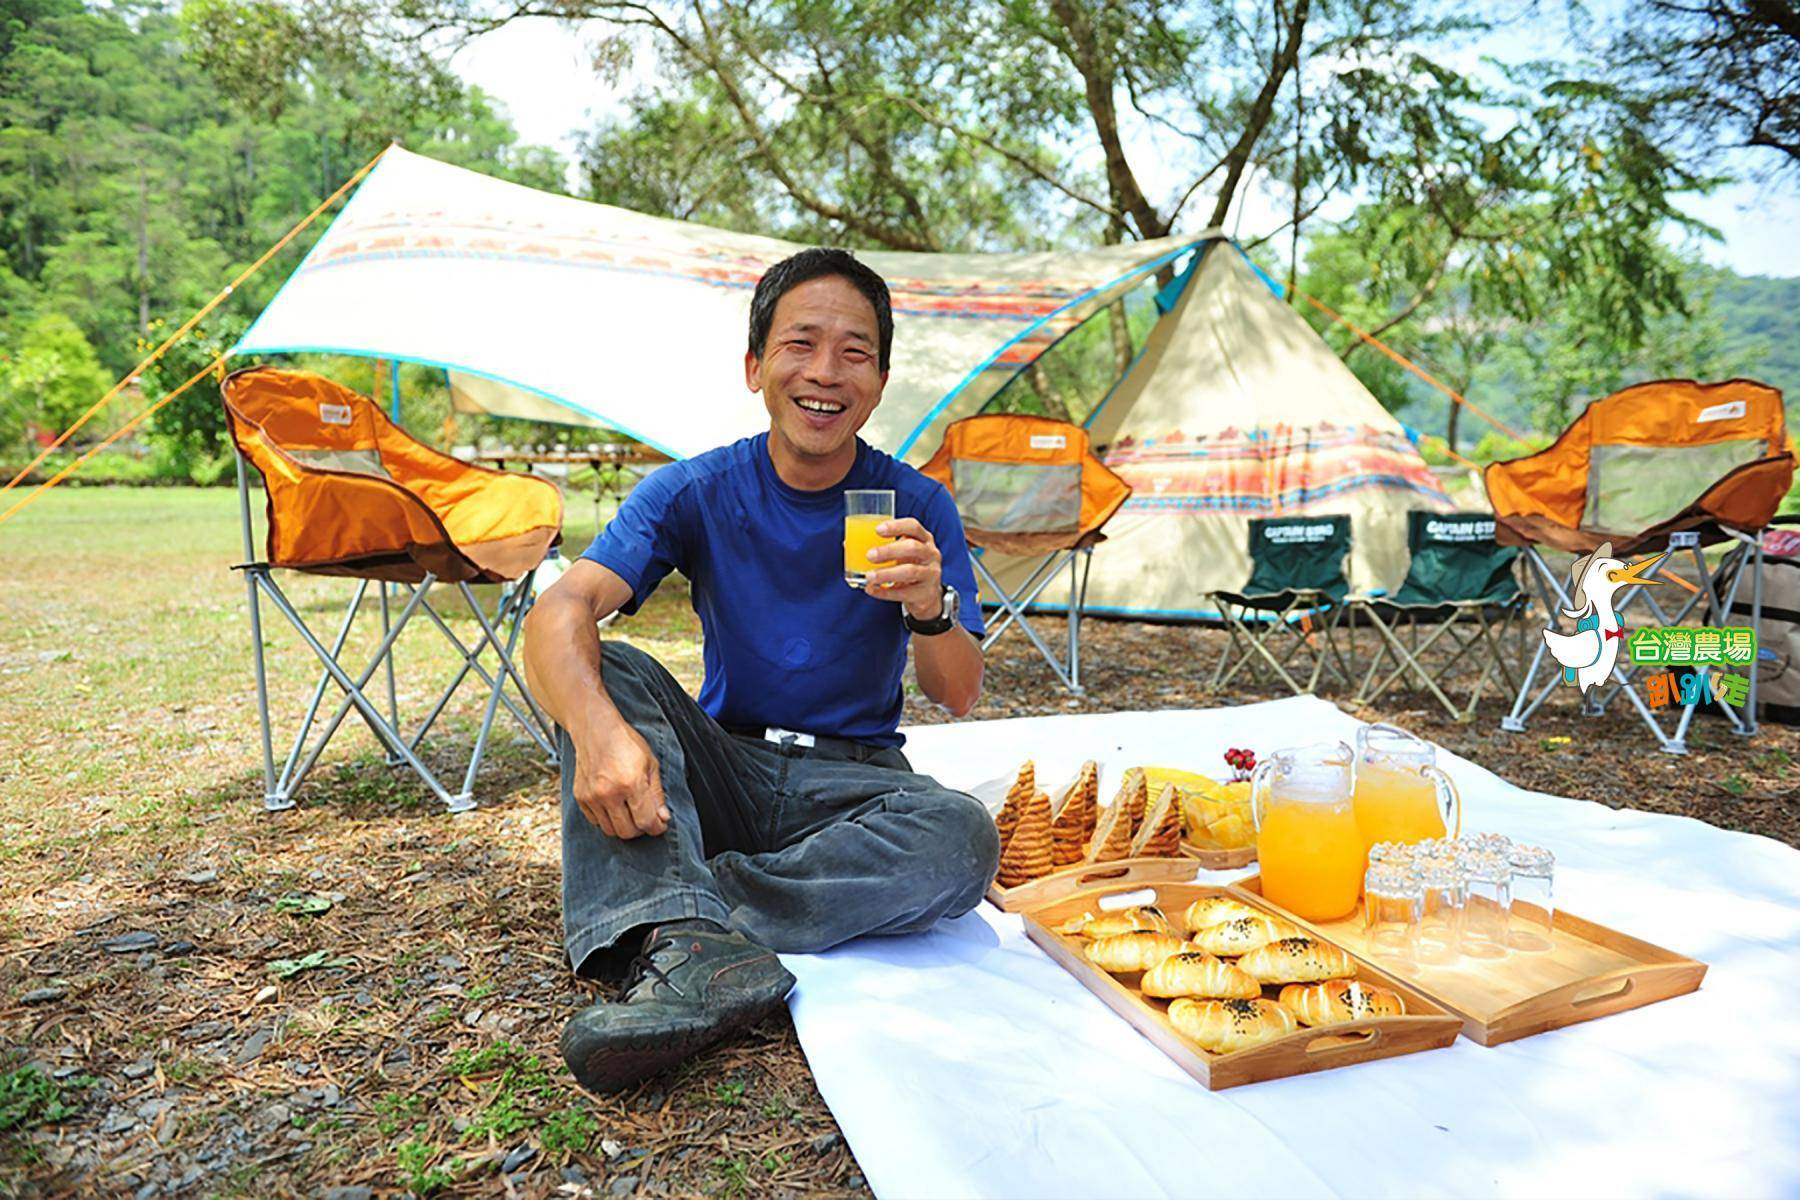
[1487, 911]
[1401, 795]
[1391, 902]
[1533, 911]
[1443, 890]
[864, 510]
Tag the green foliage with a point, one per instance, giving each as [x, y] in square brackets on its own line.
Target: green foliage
[148, 154]
[569, 1131]
[29, 1098]
[416, 1174]
[47, 380]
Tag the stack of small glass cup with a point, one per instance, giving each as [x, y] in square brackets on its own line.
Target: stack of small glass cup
[1480, 897]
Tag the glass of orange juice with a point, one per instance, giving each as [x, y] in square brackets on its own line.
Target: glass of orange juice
[864, 510]
[1401, 795]
[1310, 850]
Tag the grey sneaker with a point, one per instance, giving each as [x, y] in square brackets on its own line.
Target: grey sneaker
[694, 984]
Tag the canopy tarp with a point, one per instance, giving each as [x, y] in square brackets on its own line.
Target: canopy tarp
[538, 304]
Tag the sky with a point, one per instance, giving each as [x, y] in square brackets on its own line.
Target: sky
[540, 70]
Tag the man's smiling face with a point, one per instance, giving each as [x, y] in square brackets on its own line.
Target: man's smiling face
[819, 371]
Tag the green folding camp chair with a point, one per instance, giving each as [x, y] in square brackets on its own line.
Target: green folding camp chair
[1296, 589]
[1460, 589]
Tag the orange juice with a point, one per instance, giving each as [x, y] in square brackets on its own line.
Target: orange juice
[1311, 856]
[860, 538]
[1396, 805]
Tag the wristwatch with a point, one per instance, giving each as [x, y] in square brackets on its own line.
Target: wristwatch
[943, 622]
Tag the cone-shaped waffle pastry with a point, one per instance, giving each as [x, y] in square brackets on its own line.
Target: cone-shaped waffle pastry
[1134, 795]
[1027, 855]
[1075, 820]
[1112, 836]
[1023, 788]
[1160, 836]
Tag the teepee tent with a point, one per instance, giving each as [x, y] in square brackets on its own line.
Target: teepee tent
[552, 308]
[1237, 409]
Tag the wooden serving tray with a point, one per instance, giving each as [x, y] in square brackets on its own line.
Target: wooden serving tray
[1426, 1025]
[1067, 881]
[1589, 971]
[1217, 858]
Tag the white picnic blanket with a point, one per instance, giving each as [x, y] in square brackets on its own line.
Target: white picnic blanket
[964, 1062]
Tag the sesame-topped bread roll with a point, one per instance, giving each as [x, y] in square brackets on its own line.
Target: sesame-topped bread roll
[1224, 1026]
[1192, 973]
[1339, 1000]
[1297, 960]
[1232, 938]
[1124, 953]
[1216, 910]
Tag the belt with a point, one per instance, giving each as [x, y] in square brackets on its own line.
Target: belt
[792, 741]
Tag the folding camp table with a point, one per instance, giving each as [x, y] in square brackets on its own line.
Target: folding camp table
[1296, 575]
[1460, 588]
[1665, 468]
[349, 494]
[1031, 487]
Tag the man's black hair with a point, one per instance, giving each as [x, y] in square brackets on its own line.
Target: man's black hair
[814, 263]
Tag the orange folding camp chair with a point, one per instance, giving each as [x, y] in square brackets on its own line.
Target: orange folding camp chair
[1664, 468]
[350, 494]
[1030, 487]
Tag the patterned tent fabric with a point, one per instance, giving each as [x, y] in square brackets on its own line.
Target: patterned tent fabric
[539, 304]
[1237, 409]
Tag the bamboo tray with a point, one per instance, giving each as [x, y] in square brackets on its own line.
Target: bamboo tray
[1589, 971]
[1060, 884]
[1426, 1025]
[1216, 858]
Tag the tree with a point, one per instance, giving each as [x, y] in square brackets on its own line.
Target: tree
[47, 381]
[1716, 74]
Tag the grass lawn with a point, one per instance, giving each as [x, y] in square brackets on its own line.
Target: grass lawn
[364, 992]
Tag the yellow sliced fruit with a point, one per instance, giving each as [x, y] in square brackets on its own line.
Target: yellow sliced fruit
[1231, 832]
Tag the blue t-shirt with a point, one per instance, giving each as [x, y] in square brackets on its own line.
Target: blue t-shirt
[787, 642]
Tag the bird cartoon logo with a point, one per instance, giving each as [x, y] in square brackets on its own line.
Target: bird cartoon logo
[1587, 655]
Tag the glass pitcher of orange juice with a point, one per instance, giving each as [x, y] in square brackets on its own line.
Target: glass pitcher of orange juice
[1310, 850]
[1401, 795]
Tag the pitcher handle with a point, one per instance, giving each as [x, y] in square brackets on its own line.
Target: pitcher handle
[1259, 785]
[1449, 799]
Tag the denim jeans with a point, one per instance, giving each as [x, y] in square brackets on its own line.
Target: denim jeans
[798, 848]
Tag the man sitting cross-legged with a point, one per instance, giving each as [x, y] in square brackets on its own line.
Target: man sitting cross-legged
[777, 812]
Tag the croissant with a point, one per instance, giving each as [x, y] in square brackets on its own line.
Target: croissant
[1023, 788]
[1224, 1026]
[1241, 936]
[1125, 920]
[1112, 835]
[1076, 818]
[1216, 910]
[1137, 951]
[1191, 973]
[1027, 855]
[1297, 960]
[1338, 1000]
[1160, 836]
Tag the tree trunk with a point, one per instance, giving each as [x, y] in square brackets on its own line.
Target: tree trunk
[143, 252]
[1123, 351]
[1055, 403]
[1299, 184]
[1238, 157]
[1450, 429]
[1100, 81]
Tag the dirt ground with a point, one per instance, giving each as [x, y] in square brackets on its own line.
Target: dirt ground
[362, 996]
